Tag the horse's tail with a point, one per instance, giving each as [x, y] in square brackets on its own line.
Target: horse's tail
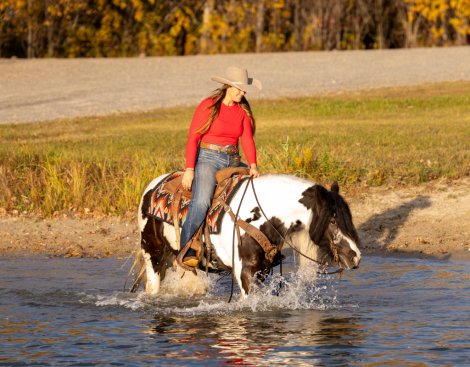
[139, 274]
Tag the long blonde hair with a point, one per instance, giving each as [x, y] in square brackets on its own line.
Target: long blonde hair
[217, 97]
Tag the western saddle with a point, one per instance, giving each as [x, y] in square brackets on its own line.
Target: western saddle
[224, 179]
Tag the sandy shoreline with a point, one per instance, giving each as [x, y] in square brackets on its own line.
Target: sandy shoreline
[431, 221]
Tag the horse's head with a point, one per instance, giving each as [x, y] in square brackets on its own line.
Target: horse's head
[331, 227]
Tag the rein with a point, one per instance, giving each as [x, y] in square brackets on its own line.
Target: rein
[236, 225]
[239, 238]
[272, 225]
[332, 245]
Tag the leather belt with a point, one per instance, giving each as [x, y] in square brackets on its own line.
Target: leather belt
[228, 149]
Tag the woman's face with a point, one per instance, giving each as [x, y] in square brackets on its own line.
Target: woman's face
[235, 94]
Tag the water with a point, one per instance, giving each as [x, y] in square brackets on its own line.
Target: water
[388, 313]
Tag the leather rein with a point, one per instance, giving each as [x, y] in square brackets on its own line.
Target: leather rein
[270, 250]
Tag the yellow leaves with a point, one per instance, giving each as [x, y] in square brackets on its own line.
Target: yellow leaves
[73, 254]
[131, 27]
[308, 155]
[279, 4]
[462, 12]
[436, 11]
[437, 32]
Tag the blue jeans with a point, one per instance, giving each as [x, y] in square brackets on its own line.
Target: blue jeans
[208, 162]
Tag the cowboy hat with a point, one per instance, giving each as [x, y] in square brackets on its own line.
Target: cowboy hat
[238, 78]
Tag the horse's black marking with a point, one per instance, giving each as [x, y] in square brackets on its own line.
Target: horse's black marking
[256, 215]
[146, 203]
[252, 255]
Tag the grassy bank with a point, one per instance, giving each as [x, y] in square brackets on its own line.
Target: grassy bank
[403, 136]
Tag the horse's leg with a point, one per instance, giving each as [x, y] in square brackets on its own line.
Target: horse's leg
[156, 252]
[153, 253]
[253, 261]
[252, 256]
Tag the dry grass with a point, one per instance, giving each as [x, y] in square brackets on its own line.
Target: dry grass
[400, 136]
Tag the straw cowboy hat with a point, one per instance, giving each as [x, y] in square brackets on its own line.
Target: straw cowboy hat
[238, 78]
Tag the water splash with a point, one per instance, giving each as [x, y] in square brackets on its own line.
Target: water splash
[196, 296]
[189, 284]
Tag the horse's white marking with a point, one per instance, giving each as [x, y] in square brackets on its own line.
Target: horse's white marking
[304, 244]
[153, 279]
[170, 235]
[152, 284]
[278, 195]
[354, 247]
[340, 236]
[142, 221]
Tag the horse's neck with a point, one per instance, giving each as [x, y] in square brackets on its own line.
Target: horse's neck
[304, 244]
[279, 196]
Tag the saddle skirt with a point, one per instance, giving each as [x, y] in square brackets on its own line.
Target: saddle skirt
[162, 198]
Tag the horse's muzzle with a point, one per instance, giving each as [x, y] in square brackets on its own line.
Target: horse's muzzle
[349, 262]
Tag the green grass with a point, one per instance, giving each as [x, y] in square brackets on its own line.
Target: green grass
[400, 136]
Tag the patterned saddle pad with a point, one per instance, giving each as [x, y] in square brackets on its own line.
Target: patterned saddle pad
[160, 204]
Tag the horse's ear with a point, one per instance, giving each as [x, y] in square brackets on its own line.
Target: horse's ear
[335, 187]
[308, 198]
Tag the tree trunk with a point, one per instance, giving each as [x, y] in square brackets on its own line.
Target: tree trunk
[445, 26]
[412, 32]
[357, 28]
[49, 29]
[379, 22]
[206, 31]
[30, 50]
[260, 25]
[297, 36]
[338, 24]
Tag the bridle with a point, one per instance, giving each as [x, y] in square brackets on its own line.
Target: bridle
[285, 239]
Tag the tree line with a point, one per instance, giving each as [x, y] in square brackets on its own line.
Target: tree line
[110, 28]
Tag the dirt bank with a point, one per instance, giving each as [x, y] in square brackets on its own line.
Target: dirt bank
[431, 221]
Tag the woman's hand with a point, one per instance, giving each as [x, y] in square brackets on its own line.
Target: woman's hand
[254, 171]
[188, 178]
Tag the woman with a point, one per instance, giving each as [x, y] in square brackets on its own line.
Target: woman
[218, 123]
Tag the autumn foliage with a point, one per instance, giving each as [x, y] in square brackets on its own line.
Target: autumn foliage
[94, 28]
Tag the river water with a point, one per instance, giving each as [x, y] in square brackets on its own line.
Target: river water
[390, 312]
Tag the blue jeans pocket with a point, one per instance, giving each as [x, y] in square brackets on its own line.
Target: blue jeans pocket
[220, 160]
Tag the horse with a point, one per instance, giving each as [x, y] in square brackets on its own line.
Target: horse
[317, 222]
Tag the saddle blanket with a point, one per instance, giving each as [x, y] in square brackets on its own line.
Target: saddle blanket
[160, 203]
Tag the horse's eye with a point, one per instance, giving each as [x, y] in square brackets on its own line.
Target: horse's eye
[333, 222]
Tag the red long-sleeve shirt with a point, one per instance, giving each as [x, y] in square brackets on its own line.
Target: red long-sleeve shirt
[231, 124]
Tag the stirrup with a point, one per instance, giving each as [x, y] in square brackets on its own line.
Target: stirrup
[188, 263]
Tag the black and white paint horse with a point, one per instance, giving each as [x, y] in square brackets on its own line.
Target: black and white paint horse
[309, 215]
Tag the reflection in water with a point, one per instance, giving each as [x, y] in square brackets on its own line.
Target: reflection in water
[259, 340]
[389, 312]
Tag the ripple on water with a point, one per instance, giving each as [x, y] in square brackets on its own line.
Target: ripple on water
[389, 312]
